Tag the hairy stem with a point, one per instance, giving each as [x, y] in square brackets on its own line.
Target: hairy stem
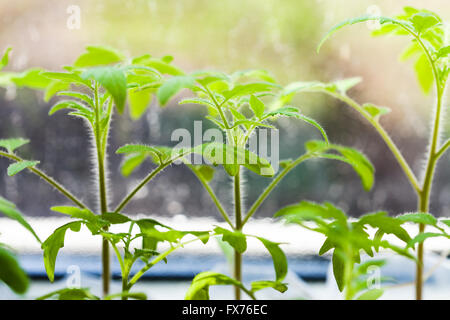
[213, 196]
[49, 180]
[272, 185]
[385, 136]
[238, 223]
[144, 181]
[101, 151]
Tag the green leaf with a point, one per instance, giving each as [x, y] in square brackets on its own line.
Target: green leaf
[372, 294]
[11, 273]
[385, 223]
[131, 163]
[76, 213]
[54, 243]
[98, 55]
[199, 289]
[53, 88]
[443, 52]
[201, 101]
[115, 218]
[356, 159]
[381, 20]
[66, 78]
[241, 90]
[12, 144]
[339, 268]
[421, 237]
[423, 21]
[424, 73]
[152, 236]
[235, 238]
[162, 65]
[73, 105]
[446, 222]
[83, 97]
[306, 210]
[129, 295]
[31, 78]
[206, 172]
[9, 209]
[259, 285]
[113, 80]
[139, 101]
[70, 294]
[17, 167]
[326, 246]
[279, 259]
[419, 217]
[5, 58]
[172, 86]
[375, 111]
[257, 106]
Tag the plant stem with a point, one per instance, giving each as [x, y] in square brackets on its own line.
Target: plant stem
[101, 151]
[213, 196]
[144, 181]
[238, 223]
[384, 135]
[272, 185]
[49, 180]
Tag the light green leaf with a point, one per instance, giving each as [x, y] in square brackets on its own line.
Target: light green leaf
[73, 105]
[381, 20]
[339, 268]
[241, 90]
[31, 78]
[418, 217]
[172, 86]
[424, 73]
[10, 210]
[375, 111]
[421, 237]
[385, 223]
[113, 80]
[66, 77]
[372, 294]
[259, 285]
[206, 172]
[257, 106]
[356, 159]
[235, 238]
[17, 167]
[139, 101]
[12, 144]
[199, 289]
[423, 21]
[279, 259]
[54, 243]
[129, 295]
[131, 163]
[307, 210]
[98, 55]
[53, 88]
[11, 273]
[5, 58]
[70, 294]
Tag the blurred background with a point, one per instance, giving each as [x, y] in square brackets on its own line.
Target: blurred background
[278, 35]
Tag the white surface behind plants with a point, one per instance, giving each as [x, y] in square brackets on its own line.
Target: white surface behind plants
[298, 241]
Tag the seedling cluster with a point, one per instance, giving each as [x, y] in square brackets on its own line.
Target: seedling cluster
[103, 81]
